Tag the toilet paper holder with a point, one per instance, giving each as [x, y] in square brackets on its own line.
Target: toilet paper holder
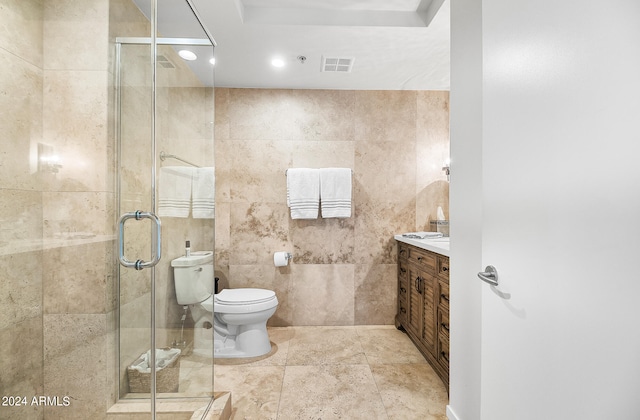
[282, 258]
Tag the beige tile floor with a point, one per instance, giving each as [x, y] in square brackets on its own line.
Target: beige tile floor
[363, 372]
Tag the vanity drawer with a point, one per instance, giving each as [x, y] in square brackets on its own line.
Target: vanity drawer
[403, 290]
[403, 251]
[443, 323]
[444, 295]
[403, 269]
[424, 259]
[443, 267]
[401, 317]
[403, 307]
[443, 352]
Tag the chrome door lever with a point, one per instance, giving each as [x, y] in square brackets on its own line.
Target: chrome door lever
[489, 275]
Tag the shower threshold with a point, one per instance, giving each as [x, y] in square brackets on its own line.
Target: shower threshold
[216, 408]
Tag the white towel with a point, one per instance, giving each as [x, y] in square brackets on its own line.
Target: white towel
[174, 191]
[203, 193]
[423, 235]
[303, 192]
[335, 192]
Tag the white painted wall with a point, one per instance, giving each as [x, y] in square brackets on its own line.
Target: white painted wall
[465, 207]
[558, 174]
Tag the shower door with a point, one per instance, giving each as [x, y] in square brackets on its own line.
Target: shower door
[164, 118]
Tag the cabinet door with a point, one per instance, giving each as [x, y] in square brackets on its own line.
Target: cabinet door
[414, 311]
[429, 293]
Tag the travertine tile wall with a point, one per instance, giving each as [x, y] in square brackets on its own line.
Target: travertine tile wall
[58, 227]
[344, 270]
[78, 284]
[21, 207]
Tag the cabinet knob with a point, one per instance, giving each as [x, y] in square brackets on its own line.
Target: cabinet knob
[403, 290]
[403, 270]
[445, 268]
[404, 311]
[445, 297]
[445, 326]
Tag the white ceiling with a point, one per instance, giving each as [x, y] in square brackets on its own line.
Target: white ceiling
[395, 44]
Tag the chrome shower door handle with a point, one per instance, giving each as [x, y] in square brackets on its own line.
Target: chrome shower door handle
[489, 275]
[156, 239]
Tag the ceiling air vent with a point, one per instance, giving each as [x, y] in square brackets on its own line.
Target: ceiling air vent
[337, 64]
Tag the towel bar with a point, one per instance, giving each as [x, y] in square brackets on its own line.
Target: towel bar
[164, 156]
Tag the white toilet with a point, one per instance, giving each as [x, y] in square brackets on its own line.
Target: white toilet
[238, 316]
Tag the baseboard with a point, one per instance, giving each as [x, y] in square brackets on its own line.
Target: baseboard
[450, 414]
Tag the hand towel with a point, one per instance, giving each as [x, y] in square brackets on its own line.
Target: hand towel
[203, 193]
[174, 191]
[335, 192]
[422, 235]
[303, 192]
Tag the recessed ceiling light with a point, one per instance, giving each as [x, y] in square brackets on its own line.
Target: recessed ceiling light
[187, 55]
[213, 61]
[277, 62]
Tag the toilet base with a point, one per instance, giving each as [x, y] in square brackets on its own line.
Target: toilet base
[248, 341]
[234, 341]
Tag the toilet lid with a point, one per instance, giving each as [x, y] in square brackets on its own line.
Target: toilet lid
[244, 296]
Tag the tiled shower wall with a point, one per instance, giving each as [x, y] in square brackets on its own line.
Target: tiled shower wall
[344, 270]
[21, 204]
[57, 228]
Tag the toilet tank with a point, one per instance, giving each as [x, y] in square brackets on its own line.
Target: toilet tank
[193, 277]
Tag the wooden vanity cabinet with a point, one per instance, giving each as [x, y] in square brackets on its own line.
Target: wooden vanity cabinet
[423, 304]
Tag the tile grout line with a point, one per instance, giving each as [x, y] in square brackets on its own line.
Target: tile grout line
[284, 373]
[371, 372]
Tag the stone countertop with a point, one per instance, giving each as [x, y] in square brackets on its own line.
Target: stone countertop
[438, 245]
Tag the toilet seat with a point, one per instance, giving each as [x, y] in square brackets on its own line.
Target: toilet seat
[244, 300]
[244, 296]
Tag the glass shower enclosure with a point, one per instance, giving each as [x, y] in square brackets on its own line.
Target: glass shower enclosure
[92, 95]
[164, 126]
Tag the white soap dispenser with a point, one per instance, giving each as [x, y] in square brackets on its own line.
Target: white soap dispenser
[187, 249]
